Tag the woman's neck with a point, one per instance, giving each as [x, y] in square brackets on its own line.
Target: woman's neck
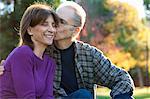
[39, 49]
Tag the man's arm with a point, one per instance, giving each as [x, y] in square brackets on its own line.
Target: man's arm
[124, 96]
[107, 74]
[2, 67]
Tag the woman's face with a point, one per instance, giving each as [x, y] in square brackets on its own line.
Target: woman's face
[43, 33]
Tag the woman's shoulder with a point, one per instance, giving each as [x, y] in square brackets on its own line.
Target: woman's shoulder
[50, 59]
[21, 51]
[51, 62]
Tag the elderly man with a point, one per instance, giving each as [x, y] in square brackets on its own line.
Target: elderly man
[79, 65]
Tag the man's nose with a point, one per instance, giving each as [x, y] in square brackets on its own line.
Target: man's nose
[60, 29]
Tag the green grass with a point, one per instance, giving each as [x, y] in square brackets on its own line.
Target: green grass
[139, 93]
[146, 96]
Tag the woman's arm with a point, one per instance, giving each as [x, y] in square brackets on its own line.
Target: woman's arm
[48, 94]
[22, 75]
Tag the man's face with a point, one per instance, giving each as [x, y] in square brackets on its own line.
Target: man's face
[66, 28]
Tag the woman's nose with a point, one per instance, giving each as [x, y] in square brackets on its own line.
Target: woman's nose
[52, 29]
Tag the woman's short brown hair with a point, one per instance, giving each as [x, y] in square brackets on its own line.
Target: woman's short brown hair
[34, 15]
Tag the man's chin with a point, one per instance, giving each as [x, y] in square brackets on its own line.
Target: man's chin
[56, 39]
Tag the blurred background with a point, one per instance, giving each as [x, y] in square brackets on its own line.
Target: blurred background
[120, 28]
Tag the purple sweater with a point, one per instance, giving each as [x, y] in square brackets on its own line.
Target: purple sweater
[26, 76]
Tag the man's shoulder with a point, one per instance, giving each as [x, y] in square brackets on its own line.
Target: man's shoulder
[85, 46]
[87, 49]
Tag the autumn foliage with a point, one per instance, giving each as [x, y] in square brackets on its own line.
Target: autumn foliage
[122, 35]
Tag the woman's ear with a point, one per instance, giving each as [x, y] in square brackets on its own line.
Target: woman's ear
[29, 31]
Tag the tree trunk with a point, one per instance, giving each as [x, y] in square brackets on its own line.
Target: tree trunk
[140, 78]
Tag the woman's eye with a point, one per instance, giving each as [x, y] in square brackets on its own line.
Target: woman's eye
[44, 24]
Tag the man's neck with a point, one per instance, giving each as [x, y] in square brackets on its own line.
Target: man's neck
[63, 44]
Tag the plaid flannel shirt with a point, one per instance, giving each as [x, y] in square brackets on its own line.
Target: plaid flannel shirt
[92, 67]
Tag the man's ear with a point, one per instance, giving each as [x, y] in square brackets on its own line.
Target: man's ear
[29, 31]
[77, 29]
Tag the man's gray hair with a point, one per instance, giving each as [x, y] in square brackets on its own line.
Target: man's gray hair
[80, 14]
